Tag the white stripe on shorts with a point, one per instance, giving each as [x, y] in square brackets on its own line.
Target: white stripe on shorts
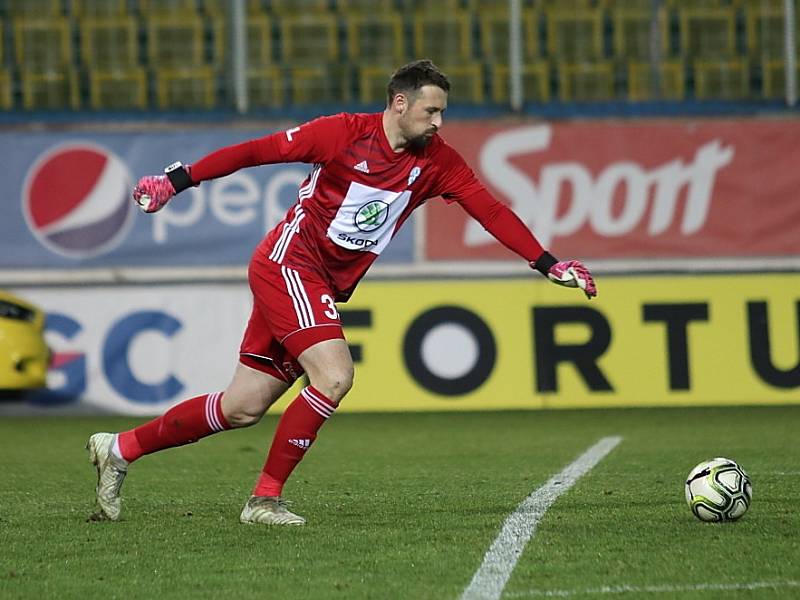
[212, 403]
[302, 307]
[318, 405]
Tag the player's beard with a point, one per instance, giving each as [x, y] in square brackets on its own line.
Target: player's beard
[420, 142]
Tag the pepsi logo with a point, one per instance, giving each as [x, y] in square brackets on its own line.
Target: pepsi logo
[75, 200]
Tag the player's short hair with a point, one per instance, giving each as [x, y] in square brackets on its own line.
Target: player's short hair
[410, 78]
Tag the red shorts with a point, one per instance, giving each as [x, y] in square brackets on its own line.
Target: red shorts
[292, 311]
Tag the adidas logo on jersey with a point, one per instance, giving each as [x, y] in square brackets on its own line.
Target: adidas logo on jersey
[302, 443]
[362, 166]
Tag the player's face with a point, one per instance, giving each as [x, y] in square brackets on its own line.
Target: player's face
[422, 117]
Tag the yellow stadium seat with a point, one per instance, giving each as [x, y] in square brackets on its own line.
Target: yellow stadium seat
[682, 4]
[185, 88]
[118, 89]
[175, 41]
[33, 9]
[773, 78]
[443, 37]
[494, 35]
[375, 38]
[221, 8]
[466, 83]
[258, 28]
[99, 8]
[43, 44]
[670, 85]
[309, 37]
[320, 84]
[632, 32]
[265, 88]
[707, 32]
[372, 81]
[441, 6]
[586, 81]
[535, 82]
[5, 90]
[726, 79]
[53, 89]
[574, 35]
[109, 43]
[764, 29]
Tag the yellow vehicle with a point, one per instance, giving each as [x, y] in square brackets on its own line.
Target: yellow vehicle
[24, 355]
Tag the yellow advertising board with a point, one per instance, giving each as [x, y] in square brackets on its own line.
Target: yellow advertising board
[526, 343]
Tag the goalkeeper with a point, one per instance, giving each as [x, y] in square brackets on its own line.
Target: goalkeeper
[370, 171]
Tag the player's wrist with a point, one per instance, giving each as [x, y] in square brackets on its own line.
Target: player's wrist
[179, 176]
[544, 263]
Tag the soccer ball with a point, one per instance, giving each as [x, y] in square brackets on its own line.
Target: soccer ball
[718, 490]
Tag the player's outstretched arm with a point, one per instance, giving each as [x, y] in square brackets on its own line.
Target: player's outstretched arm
[569, 273]
[154, 191]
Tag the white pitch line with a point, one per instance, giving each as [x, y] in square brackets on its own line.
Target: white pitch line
[656, 589]
[491, 577]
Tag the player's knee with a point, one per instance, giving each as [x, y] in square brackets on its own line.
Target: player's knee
[334, 384]
[243, 416]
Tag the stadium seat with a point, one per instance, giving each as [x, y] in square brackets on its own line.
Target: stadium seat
[192, 88]
[109, 43]
[220, 8]
[118, 89]
[535, 82]
[726, 79]
[764, 30]
[574, 35]
[773, 78]
[372, 80]
[42, 44]
[707, 32]
[175, 41]
[444, 37]
[632, 31]
[265, 87]
[586, 81]
[258, 28]
[671, 83]
[110, 52]
[51, 90]
[466, 82]
[99, 8]
[309, 38]
[33, 9]
[494, 35]
[375, 38]
[320, 84]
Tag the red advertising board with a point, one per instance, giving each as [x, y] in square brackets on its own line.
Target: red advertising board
[652, 189]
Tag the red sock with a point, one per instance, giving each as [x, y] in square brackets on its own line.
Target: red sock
[182, 424]
[296, 431]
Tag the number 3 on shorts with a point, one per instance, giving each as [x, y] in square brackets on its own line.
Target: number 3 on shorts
[331, 313]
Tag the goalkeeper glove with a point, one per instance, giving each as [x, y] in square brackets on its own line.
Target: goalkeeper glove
[569, 273]
[154, 191]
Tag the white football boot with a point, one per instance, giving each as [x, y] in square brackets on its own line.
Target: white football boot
[269, 510]
[111, 473]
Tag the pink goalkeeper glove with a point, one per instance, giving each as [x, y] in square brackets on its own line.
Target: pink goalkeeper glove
[154, 191]
[572, 273]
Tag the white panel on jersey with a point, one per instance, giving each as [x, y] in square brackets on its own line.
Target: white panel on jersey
[367, 217]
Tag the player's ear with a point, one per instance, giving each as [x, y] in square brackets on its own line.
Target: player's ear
[400, 103]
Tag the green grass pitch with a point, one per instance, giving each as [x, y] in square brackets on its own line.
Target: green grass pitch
[405, 506]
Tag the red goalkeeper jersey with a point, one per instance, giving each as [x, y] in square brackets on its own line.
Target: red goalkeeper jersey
[358, 194]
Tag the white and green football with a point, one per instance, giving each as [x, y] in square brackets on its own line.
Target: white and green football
[718, 490]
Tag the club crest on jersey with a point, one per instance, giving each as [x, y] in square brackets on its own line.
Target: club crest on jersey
[371, 215]
[412, 176]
